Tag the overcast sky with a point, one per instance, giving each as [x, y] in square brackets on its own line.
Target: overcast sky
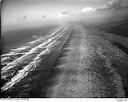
[13, 9]
[21, 11]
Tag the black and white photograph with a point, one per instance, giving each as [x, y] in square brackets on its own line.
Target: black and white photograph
[64, 49]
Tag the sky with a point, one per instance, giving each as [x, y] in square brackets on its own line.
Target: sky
[19, 12]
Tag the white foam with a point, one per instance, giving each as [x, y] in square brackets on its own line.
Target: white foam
[32, 58]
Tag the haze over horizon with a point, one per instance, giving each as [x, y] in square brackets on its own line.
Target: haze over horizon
[31, 11]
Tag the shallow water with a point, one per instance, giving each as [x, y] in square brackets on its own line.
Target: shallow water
[21, 62]
[17, 38]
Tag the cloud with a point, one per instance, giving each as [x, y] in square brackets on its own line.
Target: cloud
[64, 13]
[88, 9]
[22, 18]
[25, 17]
[44, 16]
[114, 4]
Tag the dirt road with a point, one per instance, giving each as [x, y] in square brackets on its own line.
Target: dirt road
[89, 68]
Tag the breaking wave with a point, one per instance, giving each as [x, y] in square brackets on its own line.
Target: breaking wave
[19, 62]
